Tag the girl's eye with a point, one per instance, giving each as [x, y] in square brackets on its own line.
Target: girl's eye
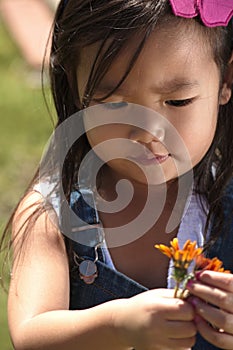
[179, 103]
[115, 105]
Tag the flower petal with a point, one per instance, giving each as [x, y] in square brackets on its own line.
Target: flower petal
[174, 244]
[164, 249]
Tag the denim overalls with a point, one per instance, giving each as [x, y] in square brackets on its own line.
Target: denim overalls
[108, 283]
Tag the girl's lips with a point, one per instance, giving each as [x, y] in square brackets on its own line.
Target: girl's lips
[150, 159]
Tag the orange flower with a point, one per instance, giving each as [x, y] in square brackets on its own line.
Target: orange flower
[182, 257]
[202, 263]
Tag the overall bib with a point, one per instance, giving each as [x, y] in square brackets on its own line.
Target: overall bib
[108, 283]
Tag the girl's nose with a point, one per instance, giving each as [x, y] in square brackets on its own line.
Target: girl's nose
[145, 137]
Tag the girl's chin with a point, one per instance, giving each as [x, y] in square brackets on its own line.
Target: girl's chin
[146, 176]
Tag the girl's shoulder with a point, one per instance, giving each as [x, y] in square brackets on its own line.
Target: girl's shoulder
[39, 262]
[33, 219]
[26, 208]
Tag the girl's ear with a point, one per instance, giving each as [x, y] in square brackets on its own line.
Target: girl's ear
[226, 89]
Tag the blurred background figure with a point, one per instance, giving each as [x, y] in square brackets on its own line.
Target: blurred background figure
[25, 121]
[29, 23]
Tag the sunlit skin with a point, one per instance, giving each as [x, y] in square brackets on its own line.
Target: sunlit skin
[186, 94]
[177, 77]
[181, 83]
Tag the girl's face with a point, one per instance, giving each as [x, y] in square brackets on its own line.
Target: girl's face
[177, 83]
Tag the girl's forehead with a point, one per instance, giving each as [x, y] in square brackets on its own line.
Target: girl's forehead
[165, 49]
[178, 37]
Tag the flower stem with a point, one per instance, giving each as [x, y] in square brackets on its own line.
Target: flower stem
[182, 293]
[176, 289]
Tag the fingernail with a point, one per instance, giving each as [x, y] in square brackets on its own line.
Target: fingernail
[190, 284]
[198, 274]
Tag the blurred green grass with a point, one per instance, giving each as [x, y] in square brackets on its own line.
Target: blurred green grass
[25, 126]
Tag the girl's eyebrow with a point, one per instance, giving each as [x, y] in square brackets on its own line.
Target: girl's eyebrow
[176, 84]
[168, 86]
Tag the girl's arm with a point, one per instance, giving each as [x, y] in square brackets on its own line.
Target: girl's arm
[39, 301]
[213, 301]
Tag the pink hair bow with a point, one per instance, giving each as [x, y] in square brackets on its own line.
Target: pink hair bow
[213, 13]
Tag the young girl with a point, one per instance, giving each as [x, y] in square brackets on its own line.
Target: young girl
[143, 92]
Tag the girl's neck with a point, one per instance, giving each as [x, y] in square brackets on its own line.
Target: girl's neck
[113, 184]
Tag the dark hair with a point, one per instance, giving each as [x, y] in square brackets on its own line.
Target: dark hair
[80, 23]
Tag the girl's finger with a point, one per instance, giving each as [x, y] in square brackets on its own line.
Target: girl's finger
[216, 279]
[218, 338]
[180, 344]
[212, 295]
[218, 318]
[180, 330]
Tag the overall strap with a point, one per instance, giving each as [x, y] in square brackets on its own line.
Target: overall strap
[86, 233]
[92, 280]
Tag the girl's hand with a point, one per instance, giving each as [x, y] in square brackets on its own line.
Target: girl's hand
[213, 302]
[155, 320]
